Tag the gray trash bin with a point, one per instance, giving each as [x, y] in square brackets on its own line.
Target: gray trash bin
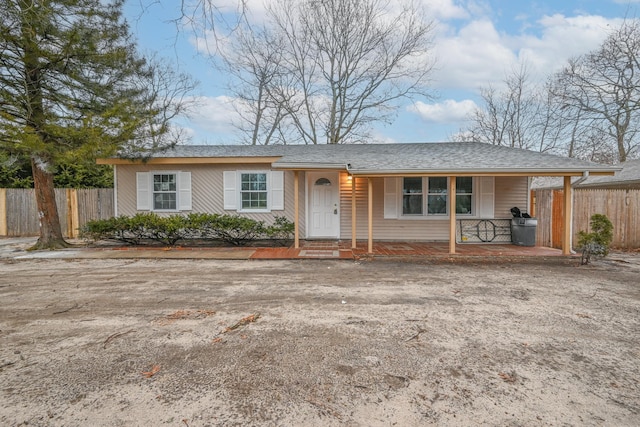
[523, 231]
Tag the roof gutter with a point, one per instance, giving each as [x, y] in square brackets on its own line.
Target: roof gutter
[481, 171]
[309, 166]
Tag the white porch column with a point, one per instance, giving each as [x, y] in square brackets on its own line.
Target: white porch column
[370, 214]
[354, 235]
[566, 231]
[296, 215]
[452, 215]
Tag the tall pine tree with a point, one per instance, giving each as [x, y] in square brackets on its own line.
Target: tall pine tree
[72, 84]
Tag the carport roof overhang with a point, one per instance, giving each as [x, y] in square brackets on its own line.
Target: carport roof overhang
[483, 172]
[370, 173]
[373, 173]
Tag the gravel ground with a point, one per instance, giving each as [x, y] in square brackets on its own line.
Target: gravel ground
[319, 343]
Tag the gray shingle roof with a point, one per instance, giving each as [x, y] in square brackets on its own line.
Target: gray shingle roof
[389, 158]
[628, 177]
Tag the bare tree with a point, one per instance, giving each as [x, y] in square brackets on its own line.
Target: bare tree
[254, 58]
[602, 88]
[210, 20]
[521, 115]
[324, 71]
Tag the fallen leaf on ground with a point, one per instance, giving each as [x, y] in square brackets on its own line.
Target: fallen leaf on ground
[185, 314]
[154, 370]
[244, 321]
[510, 378]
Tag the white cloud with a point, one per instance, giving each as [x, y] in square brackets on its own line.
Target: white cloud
[445, 9]
[561, 38]
[478, 54]
[214, 114]
[449, 111]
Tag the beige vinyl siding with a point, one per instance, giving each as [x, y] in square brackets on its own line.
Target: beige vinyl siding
[384, 229]
[511, 191]
[346, 210]
[206, 189]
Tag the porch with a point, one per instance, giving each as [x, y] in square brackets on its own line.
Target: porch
[313, 249]
[309, 249]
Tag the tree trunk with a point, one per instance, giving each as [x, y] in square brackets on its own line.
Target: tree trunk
[49, 222]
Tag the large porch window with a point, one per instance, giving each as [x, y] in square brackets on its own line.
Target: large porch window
[437, 189]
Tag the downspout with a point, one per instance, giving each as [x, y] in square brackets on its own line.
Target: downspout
[579, 181]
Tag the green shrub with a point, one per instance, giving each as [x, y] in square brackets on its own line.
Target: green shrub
[168, 230]
[202, 226]
[101, 229]
[131, 230]
[237, 230]
[598, 241]
[281, 230]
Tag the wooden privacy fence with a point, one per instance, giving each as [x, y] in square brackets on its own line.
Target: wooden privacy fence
[622, 207]
[19, 214]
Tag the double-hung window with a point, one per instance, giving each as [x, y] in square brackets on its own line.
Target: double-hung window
[165, 191]
[437, 196]
[464, 195]
[253, 190]
[412, 200]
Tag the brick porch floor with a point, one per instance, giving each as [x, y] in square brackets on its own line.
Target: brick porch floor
[342, 250]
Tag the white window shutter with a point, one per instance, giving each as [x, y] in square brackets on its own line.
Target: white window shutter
[143, 191]
[486, 196]
[391, 198]
[230, 190]
[277, 190]
[184, 194]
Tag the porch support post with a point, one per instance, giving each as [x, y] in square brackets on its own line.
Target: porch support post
[353, 213]
[452, 215]
[296, 214]
[370, 214]
[3, 212]
[566, 231]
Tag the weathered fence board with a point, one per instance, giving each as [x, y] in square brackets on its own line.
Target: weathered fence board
[543, 212]
[621, 206]
[75, 208]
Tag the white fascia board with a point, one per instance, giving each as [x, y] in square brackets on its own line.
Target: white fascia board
[309, 166]
[477, 172]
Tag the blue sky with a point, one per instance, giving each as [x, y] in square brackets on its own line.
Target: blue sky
[476, 43]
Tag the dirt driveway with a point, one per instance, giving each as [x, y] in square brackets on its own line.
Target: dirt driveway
[318, 343]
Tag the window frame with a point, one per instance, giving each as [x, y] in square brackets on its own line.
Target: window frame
[176, 191]
[410, 194]
[444, 194]
[267, 191]
[472, 197]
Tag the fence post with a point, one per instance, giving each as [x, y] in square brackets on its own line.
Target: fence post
[3, 212]
[72, 213]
